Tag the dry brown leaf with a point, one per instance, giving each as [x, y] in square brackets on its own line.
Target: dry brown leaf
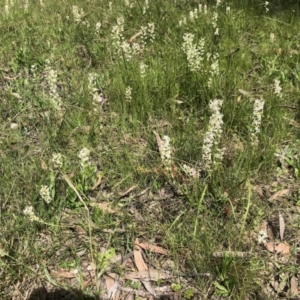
[43, 165]
[63, 274]
[131, 40]
[112, 287]
[281, 226]
[109, 281]
[17, 95]
[280, 194]
[149, 287]
[9, 78]
[159, 141]
[103, 206]
[141, 265]
[270, 246]
[138, 259]
[282, 248]
[98, 181]
[149, 275]
[279, 248]
[131, 297]
[231, 253]
[127, 191]
[245, 93]
[293, 52]
[267, 229]
[294, 286]
[153, 248]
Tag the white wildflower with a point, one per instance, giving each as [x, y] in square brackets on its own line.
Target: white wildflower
[84, 156]
[214, 68]
[205, 9]
[256, 119]
[6, 7]
[143, 68]
[117, 35]
[200, 8]
[110, 5]
[215, 19]
[166, 151]
[45, 194]
[129, 3]
[28, 211]
[96, 93]
[190, 171]
[277, 88]
[191, 15]
[33, 71]
[267, 6]
[145, 8]
[98, 26]
[227, 9]
[127, 51]
[26, 5]
[193, 52]
[92, 77]
[57, 160]
[148, 33]
[78, 13]
[262, 237]
[272, 37]
[212, 136]
[128, 94]
[195, 13]
[98, 98]
[42, 4]
[51, 76]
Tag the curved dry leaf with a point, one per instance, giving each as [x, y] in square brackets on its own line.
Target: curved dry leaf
[17, 95]
[131, 40]
[158, 140]
[245, 93]
[270, 246]
[281, 226]
[43, 165]
[150, 275]
[294, 286]
[280, 194]
[121, 195]
[141, 266]
[138, 259]
[279, 248]
[113, 291]
[2, 252]
[282, 248]
[99, 180]
[63, 274]
[103, 206]
[231, 253]
[153, 248]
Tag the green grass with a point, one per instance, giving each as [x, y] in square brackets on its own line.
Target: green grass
[193, 218]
